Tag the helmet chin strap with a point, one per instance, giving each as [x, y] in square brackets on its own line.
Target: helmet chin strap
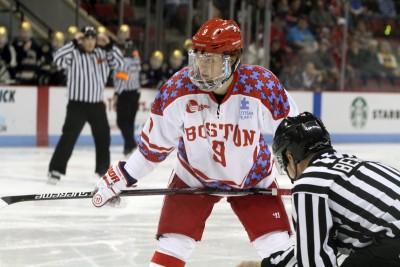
[292, 179]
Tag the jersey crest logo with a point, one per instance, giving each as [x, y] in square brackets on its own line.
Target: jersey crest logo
[192, 106]
[245, 112]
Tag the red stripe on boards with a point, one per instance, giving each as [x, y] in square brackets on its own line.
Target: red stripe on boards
[42, 123]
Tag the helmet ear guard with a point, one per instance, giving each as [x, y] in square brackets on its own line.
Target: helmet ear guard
[301, 136]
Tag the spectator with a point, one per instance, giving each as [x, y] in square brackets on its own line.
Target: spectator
[356, 59]
[281, 7]
[319, 17]
[255, 52]
[387, 8]
[175, 63]
[48, 73]
[88, 67]
[173, 14]
[335, 8]
[277, 57]
[8, 59]
[221, 9]
[278, 31]
[186, 47]
[357, 8]
[101, 30]
[398, 61]
[301, 38]
[291, 76]
[126, 97]
[312, 78]
[372, 68]
[362, 34]
[296, 11]
[152, 75]
[28, 54]
[123, 34]
[324, 61]
[387, 61]
[336, 40]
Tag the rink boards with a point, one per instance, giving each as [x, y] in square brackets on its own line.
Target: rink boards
[33, 116]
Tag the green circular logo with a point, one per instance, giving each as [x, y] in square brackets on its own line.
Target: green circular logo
[359, 112]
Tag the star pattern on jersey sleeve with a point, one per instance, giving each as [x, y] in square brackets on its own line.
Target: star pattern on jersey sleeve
[178, 85]
[261, 168]
[260, 83]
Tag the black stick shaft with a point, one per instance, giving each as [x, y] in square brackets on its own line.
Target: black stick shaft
[148, 192]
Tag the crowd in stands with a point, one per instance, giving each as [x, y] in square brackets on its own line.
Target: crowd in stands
[26, 61]
[305, 50]
[307, 39]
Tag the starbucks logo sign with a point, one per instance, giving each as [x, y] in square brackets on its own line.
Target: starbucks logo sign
[359, 112]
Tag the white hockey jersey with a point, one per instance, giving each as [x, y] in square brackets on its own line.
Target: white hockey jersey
[219, 145]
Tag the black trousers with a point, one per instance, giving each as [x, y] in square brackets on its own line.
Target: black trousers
[383, 252]
[78, 113]
[127, 106]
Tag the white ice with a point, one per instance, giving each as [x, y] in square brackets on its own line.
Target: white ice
[72, 233]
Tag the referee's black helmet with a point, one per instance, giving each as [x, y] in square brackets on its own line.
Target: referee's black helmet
[89, 32]
[300, 135]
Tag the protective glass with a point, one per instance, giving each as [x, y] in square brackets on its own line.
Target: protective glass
[209, 71]
[281, 164]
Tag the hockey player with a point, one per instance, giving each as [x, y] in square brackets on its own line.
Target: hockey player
[341, 204]
[214, 112]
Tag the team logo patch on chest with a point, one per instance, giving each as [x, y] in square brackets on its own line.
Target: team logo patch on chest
[245, 112]
[192, 106]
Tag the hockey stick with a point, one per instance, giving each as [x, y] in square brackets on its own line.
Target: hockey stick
[8, 200]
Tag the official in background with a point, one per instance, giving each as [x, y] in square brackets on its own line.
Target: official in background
[126, 97]
[341, 204]
[88, 67]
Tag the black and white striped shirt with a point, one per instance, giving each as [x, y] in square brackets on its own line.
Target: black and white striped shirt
[87, 72]
[340, 203]
[127, 77]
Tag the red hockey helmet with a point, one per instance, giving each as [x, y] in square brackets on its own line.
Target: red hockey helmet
[218, 36]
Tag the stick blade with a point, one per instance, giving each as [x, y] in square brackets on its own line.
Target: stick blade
[4, 202]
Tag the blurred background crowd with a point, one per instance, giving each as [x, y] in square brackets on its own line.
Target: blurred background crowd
[309, 44]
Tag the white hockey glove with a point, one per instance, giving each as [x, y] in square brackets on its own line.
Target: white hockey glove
[111, 184]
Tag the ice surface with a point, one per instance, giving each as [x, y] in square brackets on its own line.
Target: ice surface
[72, 233]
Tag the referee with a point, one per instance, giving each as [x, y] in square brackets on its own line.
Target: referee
[341, 204]
[126, 97]
[88, 67]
